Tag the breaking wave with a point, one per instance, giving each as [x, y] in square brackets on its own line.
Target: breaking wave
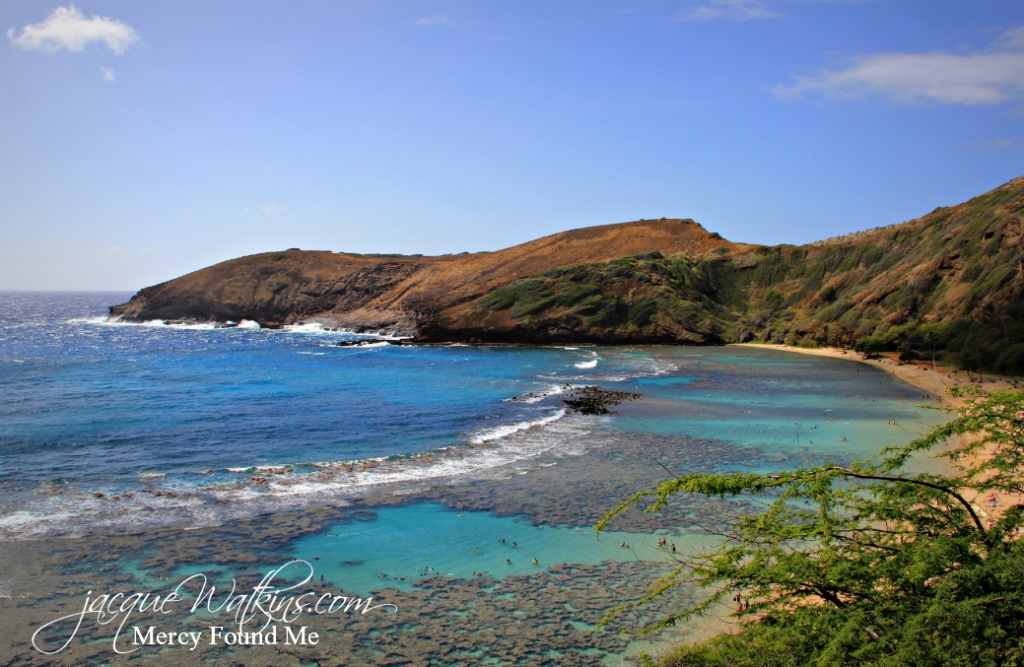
[241, 492]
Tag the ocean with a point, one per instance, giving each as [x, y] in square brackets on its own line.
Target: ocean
[452, 483]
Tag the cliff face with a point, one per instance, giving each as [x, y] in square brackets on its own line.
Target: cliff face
[282, 288]
[950, 281]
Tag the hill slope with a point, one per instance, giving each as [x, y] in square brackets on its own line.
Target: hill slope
[394, 292]
[951, 281]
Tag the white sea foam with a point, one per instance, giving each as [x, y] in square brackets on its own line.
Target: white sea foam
[275, 469]
[489, 460]
[497, 453]
[506, 430]
[19, 520]
[387, 335]
[318, 329]
[154, 324]
[587, 364]
[538, 396]
[363, 346]
[554, 390]
[309, 328]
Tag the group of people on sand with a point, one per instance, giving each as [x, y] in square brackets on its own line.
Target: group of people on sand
[741, 604]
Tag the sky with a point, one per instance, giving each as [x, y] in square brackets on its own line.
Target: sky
[140, 141]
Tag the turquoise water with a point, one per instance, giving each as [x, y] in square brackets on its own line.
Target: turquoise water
[413, 542]
[443, 470]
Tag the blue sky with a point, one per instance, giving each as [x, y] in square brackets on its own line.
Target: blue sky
[143, 140]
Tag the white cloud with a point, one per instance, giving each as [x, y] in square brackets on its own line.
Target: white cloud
[434, 20]
[985, 77]
[67, 28]
[1012, 39]
[107, 73]
[735, 10]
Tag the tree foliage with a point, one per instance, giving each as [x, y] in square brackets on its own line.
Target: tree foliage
[867, 563]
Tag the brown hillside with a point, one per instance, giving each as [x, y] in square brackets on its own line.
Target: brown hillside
[949, 282]
[395, 292]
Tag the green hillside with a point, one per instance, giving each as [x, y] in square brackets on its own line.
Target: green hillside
[949, 285]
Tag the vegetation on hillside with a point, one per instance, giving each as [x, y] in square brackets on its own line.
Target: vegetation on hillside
[947, 287]
[641, 295]
[866, 563]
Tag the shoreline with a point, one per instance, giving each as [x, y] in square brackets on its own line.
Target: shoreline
[916, 375]
[921, 377]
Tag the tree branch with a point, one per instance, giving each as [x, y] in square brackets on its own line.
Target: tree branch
[887, 478]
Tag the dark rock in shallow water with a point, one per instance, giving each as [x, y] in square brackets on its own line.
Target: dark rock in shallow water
[595, 400]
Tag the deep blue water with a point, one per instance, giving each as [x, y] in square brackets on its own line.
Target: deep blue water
[460, 486]
[200, 425]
